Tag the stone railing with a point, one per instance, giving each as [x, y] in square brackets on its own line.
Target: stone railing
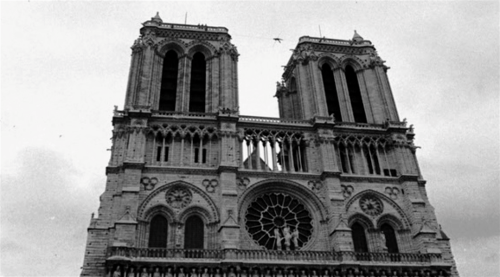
[183, 114]
[273, 120]
[194, 27]
[332, 41]
[358, 125]
[118, 253]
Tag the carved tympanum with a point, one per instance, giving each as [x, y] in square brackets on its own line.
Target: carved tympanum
[178, 197]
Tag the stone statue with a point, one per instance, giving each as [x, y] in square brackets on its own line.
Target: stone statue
[217, 272]
[291, 273]
[280, 273]
[144, 272]
[244, 273]
[326, 273]
[169, 272]
[384, 242]
[193, 272]
[205, 273]
[231, 273]
[287, 236]
[117, 272]
[157, 272]
[268, 273]
[131, 273]
[314, 273]
[255, 273]
[295, 238]
[178, 236]
[303, 273]
[181, 272]
[277, 235]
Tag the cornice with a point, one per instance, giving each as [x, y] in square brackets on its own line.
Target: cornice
[369, 179]
[150, 169]
[278, 175]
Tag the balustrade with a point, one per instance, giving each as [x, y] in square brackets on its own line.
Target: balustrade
[273, 255]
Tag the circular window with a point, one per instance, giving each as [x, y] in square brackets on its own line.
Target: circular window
[371, 205]
[178, 197]
[278, 221]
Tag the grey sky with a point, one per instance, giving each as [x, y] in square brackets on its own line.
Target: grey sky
[65, 64]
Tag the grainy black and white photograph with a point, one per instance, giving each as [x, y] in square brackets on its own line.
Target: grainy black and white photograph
[250, 139]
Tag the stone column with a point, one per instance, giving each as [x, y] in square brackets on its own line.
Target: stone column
[343, 95]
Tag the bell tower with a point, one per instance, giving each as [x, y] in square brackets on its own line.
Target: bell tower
[331, 188]
[346, 79]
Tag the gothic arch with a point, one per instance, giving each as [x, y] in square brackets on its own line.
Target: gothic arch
[299, 191]
[213, 210]
[404, 220]
[166, 45]
[330, 59]
[366, 222]
[203, 47]
[355, 62]
[391, 220]
[159, 209]
[196, 210]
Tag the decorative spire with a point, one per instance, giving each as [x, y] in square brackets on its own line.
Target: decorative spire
[357, 37]
[157, 18]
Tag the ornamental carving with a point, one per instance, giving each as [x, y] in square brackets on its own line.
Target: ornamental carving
[149, 183]
[392, 192]
[178, 197]
[315, 186]
[303, 54]
[347, 191]
[371, 205]
[278, 221]
[243, 182]
[210, 185]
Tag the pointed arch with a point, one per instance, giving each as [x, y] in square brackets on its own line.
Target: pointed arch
[358, 109]
[158, 231]
[402, 216]
[331, 94]
[203, 47]
[147, 204]
[168, 90]
[194, 232]
[390, 238]
[197, 90]
[169, 44]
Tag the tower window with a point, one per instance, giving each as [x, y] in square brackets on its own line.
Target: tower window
[169, 82]
[198, 81]
[158, 231]
[390, 238]
[194, 232]
[332, 100]
[355, 95]
[359, 238]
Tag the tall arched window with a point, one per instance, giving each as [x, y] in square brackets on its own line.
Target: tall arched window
[198, 81]
[355, 95]
[332, 100]
[390, 238]
[359, 238]
[193, 233]
[169, 81]
[158, 230]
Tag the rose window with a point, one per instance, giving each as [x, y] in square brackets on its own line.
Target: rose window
[178, 197]
[278, 221]
[371, 205]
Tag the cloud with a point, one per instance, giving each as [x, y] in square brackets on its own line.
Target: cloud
[42, 219]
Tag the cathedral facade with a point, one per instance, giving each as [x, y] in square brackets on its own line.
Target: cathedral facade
[194, 189]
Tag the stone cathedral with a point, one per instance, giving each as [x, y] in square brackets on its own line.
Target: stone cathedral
[194, 189]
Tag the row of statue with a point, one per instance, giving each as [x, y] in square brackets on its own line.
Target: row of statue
[217, 272]
[288, 237]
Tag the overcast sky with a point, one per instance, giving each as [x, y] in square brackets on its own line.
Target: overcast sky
[64, 65]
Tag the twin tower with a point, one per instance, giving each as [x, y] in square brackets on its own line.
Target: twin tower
[194, 189]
